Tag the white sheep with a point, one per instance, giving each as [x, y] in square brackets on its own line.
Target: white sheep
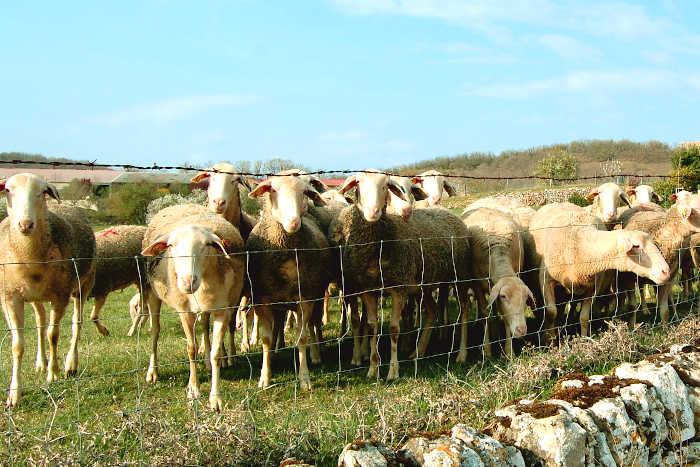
[434, 183]
[643, 194]
[195, 267]
[498, 258]
[47, 256]
[573, 251]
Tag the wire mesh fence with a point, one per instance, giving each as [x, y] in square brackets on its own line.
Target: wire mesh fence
[108, 406]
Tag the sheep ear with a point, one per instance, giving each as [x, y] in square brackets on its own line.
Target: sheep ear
[217, 242]
[318, 184]
[631, 191]
[493, 296]
[397, 190]
[626, 199]
[592, 195]
[349, 199]
[449, 188]
[673, 197]
[684, 212]
[657, 197]
[625, 244]
[350, 183]
[314, 196]
[418, 193]
[2, 184]
[263, 187]
[157, 247]
[531, 299]
[200, 177]
[52, 192]
[417, 180]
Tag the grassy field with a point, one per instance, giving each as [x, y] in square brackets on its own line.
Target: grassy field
[109, 415]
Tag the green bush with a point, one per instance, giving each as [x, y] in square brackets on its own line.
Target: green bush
[558, 165]
[77, 189]
[127, 204]
[578, 200]
[686, 168]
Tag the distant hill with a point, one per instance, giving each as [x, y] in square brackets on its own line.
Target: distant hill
[651, 157]
[23, 156]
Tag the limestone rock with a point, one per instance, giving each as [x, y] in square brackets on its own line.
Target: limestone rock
[627, 444]
[366, 454]
[442, 451]
[491, 451]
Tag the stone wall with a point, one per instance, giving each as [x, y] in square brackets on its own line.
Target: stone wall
[643, 414]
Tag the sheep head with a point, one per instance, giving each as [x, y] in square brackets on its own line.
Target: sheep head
[644, 194]
[287, 196]
[26, 200]
[641, 256]
[608, 197]
[434, 183]
[222, 186]
[372, 192]
[404, 207]
[190, 249]
[512, 296]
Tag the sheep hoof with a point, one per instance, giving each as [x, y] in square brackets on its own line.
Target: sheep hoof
[263, 382]
[52, 375]
[393, 372]
[151, 375]
[207, 364]
[372, 372]
[192, 392]
[102, 330]
[40, 365]
[71, 368]
[305, 383]
[215, 403]
[231, 359]
[12, 398]
[461, 357]
[245, 347]
[356, 361]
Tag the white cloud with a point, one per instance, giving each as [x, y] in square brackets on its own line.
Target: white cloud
[595, 82]
[172, 109]
[463, 52]
[568, 48]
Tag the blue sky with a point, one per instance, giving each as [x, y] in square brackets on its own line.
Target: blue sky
[341, 84]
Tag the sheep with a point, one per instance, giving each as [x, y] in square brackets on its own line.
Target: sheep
[521, 212]
[137, 318]
[48, 257]
[605, 200]
[671, 232]
[290, 262]
[380, 250]
[643, 194]
[498, 258]
[195, 265]
[118, 265]
[573, 251]
[434, 183]
[404, 207]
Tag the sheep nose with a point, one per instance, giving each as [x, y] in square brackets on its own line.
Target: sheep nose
[293, 225]
[26, 226]
[219, 204]
[520, 330]
[406, 213]
[188, 283]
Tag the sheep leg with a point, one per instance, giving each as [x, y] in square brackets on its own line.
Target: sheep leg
[464, 303]
[443, 296]
[71, 366]
[356, 331]
[550, 312]
[316, 327]
[585, 316]
[188, 321]
[253, 328]
[482, 312]
[40, 317]
[662, 299]
[57, 312]
[243, 317]
[305, 311]
[14, 314]
[205, 348]
[429, 322]
[95, 315]
[154, 304]
[278, 330]
[326, 305]
[398, 301]
[632, 307]
[369, 302]
[343, 313]
[265, 320]
[136, 318]
[220, 321]
[364, 332]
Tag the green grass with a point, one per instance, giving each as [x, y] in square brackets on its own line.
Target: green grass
[109, 415]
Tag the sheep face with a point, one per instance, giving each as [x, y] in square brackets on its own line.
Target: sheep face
[688, 208]
[642, 256]
[401, 207]
[372, 192]
[288, 196]
[512, 296]
[608, 197]
[26, 200]
[434, 184]
[190, 249]
[222, 187]
[333, 198]
[644, 194]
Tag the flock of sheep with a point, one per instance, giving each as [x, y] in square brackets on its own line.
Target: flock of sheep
[376, 235]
